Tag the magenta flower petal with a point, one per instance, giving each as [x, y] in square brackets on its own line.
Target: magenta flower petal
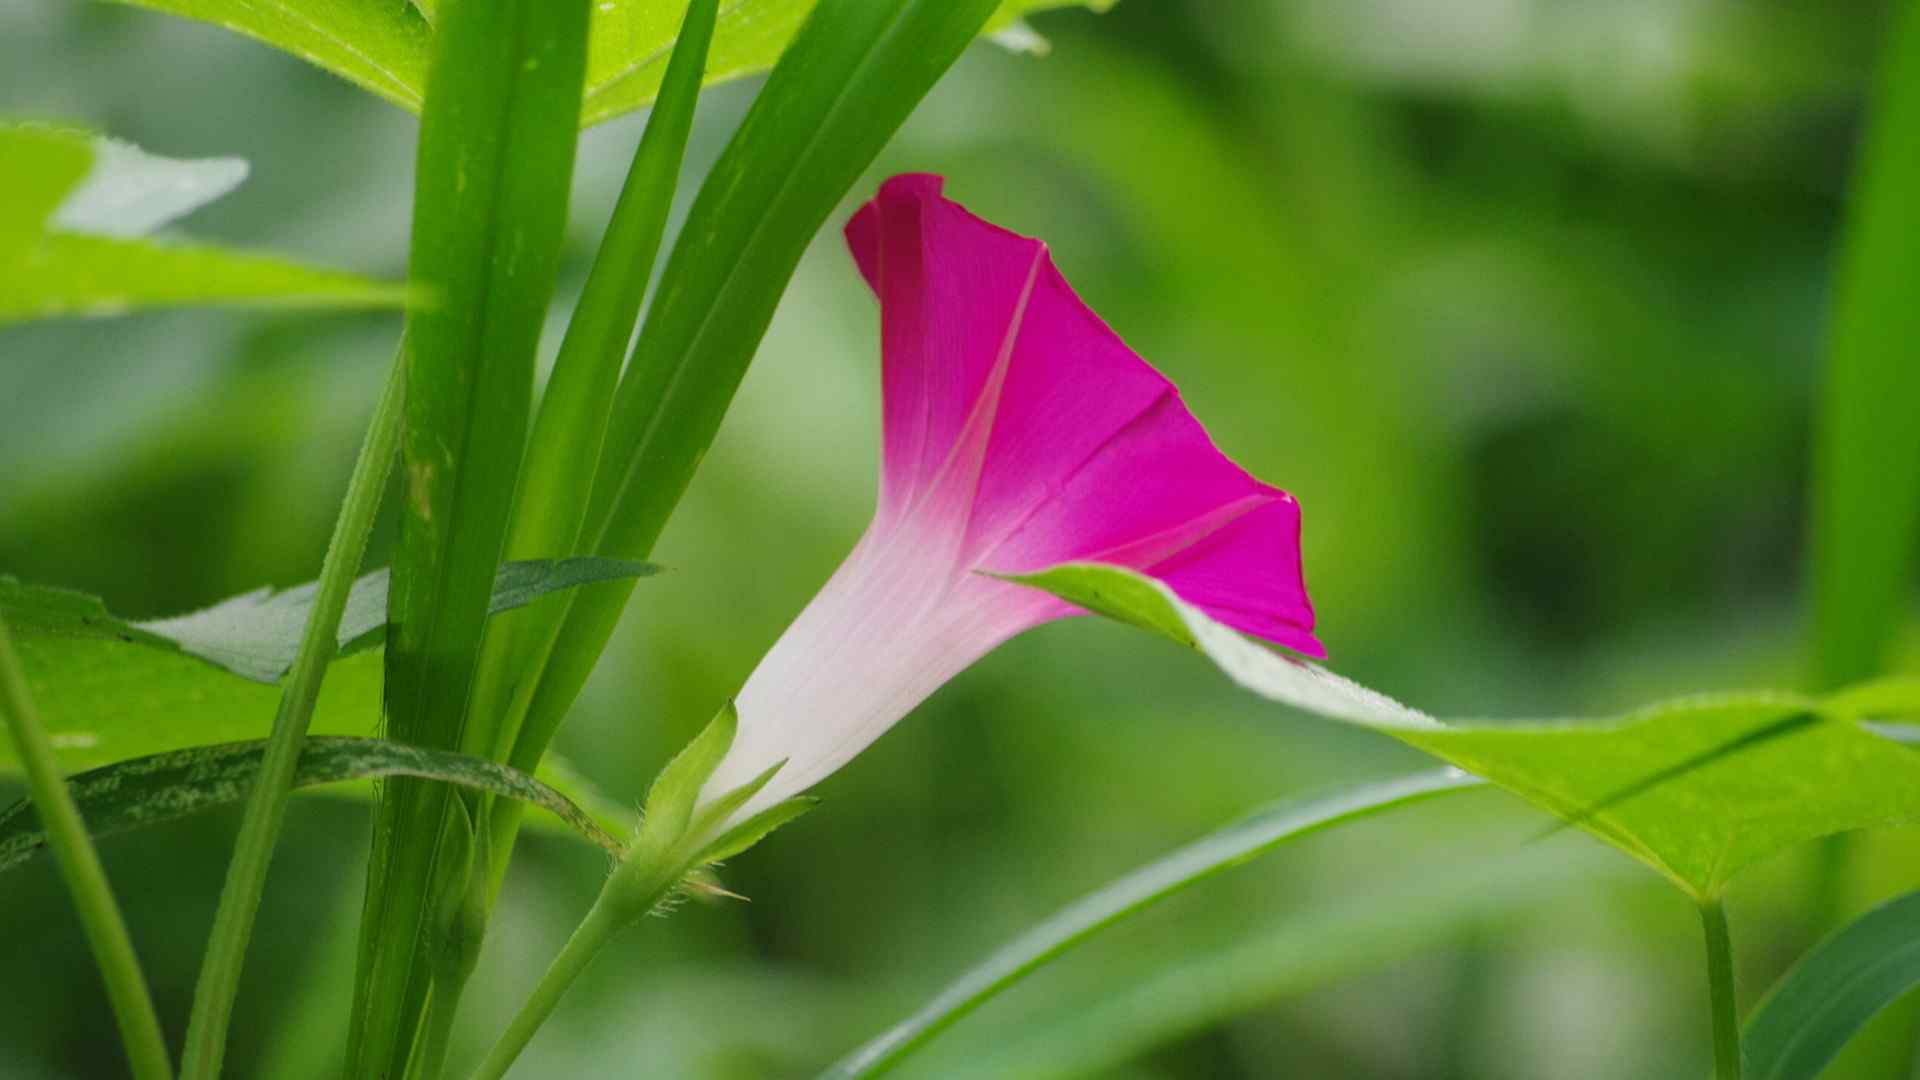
[1020, 432]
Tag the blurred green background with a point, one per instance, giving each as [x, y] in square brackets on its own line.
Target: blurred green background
[1524, 299]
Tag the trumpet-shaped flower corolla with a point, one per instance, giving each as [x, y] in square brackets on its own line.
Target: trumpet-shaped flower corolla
[1019, 433]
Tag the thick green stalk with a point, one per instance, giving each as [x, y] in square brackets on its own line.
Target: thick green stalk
[267, 800]
[79, 863]
[497, 138]
[1726, 1010]
[848, 81]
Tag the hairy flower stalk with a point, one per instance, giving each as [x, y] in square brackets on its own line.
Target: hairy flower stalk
[1020, 433]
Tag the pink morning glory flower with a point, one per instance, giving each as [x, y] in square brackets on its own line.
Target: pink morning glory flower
[1019, 432]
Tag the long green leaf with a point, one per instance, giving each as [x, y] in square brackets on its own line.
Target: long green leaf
[1866, 509]
[166, 787]
[75, 209]
[847, 83]
[556, 483]
[1096, 1023]
[1833, 991]
[382, 45]
[1136, 891]
[497, 137]
[1739, 776]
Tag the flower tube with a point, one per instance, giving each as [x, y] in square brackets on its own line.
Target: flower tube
[1019, 433]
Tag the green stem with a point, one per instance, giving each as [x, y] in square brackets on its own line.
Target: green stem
[1726, 1012]
[79, 863]
[267, 801]
[608, 917]
[443, 1004]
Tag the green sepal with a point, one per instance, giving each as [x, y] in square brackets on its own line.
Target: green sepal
[756, 828]
[670, 802]
[728, 803]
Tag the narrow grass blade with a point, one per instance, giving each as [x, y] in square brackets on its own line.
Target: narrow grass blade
[854, 72]
[556, 481]
[1866, 505]
[1146, 886]
[1103, 1017]
[167, 787]
[1833, 991]
[497, 139]
[267, 803]
[140, 1033]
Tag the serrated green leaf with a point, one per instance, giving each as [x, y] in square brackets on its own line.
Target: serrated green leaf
[1831, 993]
[74, 208]
[1726, 797]
[256, 635]
[382, 45]
[166, 787]
[1129, 895]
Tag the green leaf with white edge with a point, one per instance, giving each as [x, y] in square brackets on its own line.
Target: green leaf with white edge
[1698, 788]
[166, 787]
[110, 690]
[75, 209]
[1831, 993]
[382, 45]
[1138, 890]
[676, 790]
[257, 634]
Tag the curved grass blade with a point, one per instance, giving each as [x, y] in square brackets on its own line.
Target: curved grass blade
[1842, 983]
[167, 787]
[1190, 865]
[1096, 1019]
[848, 81]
